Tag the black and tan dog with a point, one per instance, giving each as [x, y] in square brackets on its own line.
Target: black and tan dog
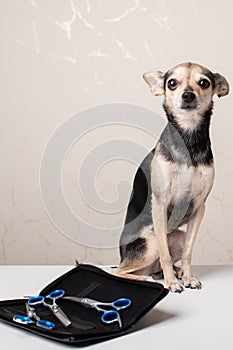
[172, 183]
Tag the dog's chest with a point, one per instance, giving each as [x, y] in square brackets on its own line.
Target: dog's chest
[187, 191]
[182, 189]
[190, 181]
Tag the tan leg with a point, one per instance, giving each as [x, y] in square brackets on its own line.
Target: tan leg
[192, 229]
[131, 276]
[159, 216]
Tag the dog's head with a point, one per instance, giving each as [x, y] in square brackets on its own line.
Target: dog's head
[187, 87]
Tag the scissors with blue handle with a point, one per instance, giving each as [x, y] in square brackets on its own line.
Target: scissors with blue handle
[56, 294]
[32, 317]
[109, 316]
[28, 320]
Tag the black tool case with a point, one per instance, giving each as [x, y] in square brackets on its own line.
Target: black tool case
[87, 327]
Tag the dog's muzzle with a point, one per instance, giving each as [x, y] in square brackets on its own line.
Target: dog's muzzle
[189, 100]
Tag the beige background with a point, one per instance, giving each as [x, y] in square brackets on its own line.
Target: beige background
[61, 57]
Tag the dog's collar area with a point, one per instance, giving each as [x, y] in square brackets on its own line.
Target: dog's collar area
[192, 145]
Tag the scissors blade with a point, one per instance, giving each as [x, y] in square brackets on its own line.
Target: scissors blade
[61, 316]
[85, 302]
[76, 299]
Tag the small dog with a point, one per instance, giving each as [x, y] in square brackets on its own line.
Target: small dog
[172, 183]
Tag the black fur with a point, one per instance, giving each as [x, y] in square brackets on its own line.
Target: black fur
[192, 147]
[139, 209]
[136, 249]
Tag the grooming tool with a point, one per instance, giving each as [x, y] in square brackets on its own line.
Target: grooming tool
[31, 318]
[40, 300]
[40, 323]
[109, 316]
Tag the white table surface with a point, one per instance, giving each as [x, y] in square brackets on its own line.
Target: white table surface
[191, 320]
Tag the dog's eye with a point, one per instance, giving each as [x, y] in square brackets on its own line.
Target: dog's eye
[172, 84]
[204, 83]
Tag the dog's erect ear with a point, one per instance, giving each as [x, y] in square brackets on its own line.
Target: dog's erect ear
[221, 85]
[155, 81]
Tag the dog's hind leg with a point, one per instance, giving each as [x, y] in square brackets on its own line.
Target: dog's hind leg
[141, 260]
[138, 256]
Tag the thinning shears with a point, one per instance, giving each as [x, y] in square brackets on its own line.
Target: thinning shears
[56, 310]
[34, 319]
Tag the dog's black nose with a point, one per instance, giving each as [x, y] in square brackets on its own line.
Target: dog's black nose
[188, 96]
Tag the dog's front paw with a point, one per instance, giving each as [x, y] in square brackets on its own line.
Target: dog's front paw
[192, 283]
[175, 287]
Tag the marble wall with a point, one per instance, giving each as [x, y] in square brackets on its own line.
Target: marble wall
[59, 61]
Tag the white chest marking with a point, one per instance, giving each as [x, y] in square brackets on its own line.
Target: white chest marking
[193, 182]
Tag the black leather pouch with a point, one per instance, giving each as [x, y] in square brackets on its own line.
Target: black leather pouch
[86, 324]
